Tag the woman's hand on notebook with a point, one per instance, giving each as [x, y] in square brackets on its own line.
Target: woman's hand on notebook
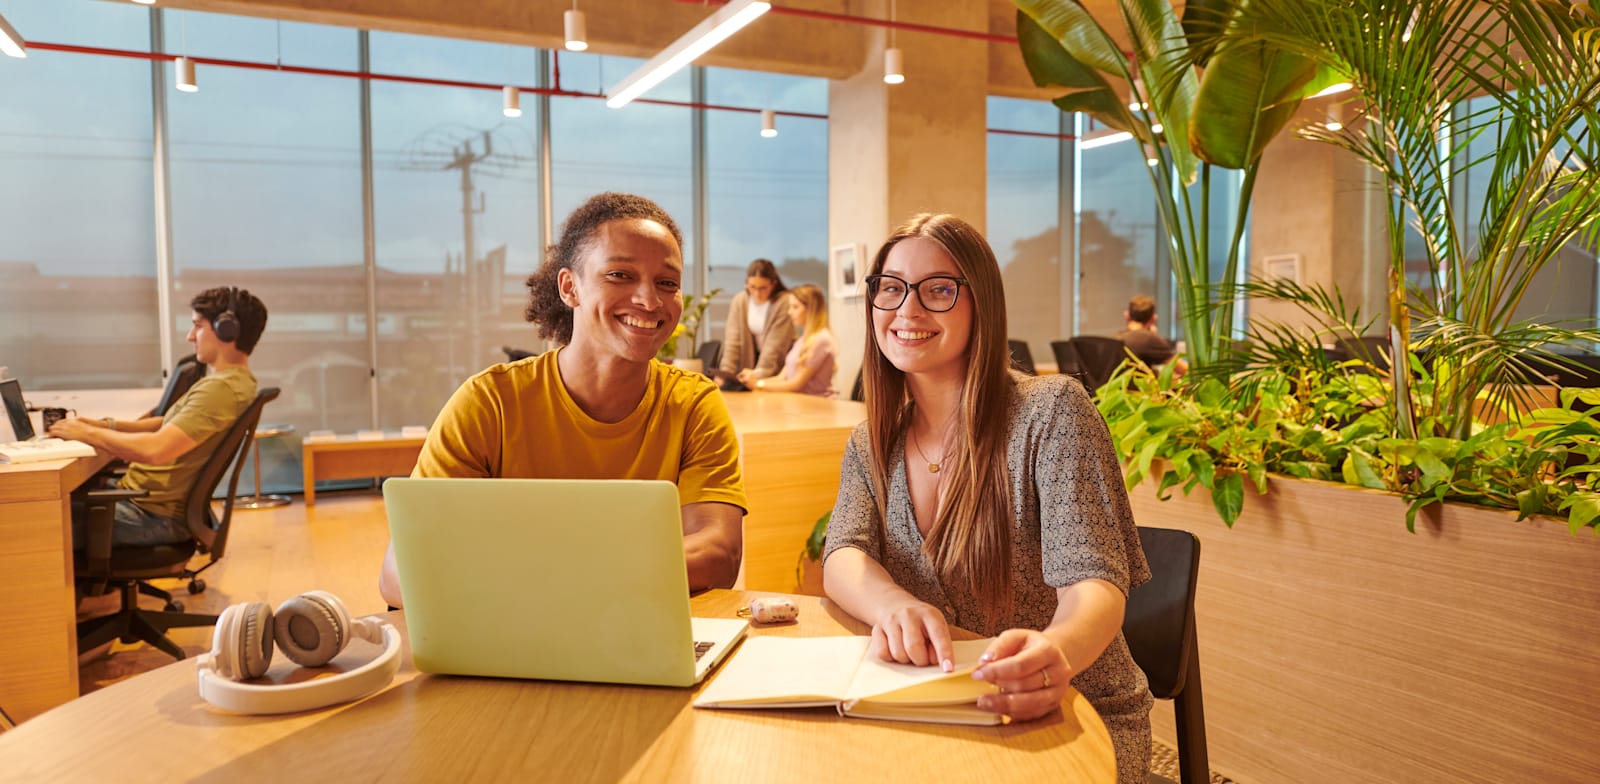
[1031, 671]
[912, 632]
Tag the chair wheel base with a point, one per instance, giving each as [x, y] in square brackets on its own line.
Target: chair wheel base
[197, 586]
[261, 501]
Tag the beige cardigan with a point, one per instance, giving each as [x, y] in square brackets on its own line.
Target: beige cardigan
[739, 349]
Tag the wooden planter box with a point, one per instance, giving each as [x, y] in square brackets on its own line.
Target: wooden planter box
[1336, 646]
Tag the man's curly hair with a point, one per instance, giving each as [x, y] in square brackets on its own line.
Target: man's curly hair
[545, 307]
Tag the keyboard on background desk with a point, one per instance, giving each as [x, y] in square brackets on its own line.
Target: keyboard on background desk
[43, 449]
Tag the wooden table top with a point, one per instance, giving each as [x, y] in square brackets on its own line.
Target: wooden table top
[763, 412]
[443, 728]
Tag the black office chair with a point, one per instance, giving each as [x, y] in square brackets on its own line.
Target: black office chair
[710, 355]
[1067, 363]
[1021, 357]
[1159, 626]
[1098, 359]
[187, 371]
[514, 354]
[128, 569]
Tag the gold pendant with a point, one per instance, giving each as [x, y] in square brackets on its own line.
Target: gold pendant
[933, 468]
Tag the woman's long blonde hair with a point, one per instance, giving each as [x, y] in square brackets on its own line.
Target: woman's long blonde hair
[816, 305]
[970, 541]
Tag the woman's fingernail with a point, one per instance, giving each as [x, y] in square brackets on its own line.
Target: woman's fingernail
[947, 665]
[980, 675]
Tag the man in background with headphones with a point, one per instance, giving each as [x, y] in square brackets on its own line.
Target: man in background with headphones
[166, 453]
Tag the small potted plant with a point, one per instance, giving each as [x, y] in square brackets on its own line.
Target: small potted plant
[694, 313]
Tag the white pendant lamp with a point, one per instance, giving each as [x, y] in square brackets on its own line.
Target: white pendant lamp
[11, 41]
[577, 30]
[511, 101]
[183, 67]
[769, 124]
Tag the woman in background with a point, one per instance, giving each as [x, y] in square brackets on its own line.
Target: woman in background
[759, 330]
[808, 369]
[978, 497]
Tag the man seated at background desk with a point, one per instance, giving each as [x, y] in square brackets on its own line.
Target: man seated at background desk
[166, 453]
[599, 407]
[1144, 341]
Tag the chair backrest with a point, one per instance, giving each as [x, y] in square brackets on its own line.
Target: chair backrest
[514, 354]
[1021, 357]
[710, 355]
[187, 371]
[1159, 625]
[1067, 362]
[209, 530]
[1098, 358]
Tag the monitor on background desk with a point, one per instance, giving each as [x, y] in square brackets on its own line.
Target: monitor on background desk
[16, 425]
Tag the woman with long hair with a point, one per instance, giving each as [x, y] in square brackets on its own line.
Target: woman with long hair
[978, 497]
[809, 367]
[759, 333]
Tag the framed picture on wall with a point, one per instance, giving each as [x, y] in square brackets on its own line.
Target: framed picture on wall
[849, 266]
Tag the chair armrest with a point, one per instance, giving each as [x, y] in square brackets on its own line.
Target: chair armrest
[100, 506]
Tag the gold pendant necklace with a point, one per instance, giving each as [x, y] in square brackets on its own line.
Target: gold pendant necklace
[933, 468]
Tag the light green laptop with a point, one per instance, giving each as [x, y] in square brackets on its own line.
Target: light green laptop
[560, 579]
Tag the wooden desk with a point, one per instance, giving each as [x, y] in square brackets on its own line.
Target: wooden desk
[441, 728]
[38, 611]
[792, 445]
[348, 457]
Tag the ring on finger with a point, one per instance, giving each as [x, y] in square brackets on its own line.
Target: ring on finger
[1046, 673]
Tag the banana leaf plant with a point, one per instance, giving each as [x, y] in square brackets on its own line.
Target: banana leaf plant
[1521, 77]
[1211, 103]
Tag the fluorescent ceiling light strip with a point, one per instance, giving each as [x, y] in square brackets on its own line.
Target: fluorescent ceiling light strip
[1333, 89]
[10, 40]
[716, 28]
[1101, 141]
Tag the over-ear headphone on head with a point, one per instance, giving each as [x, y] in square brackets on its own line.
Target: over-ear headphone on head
[310, 629]
[226, 324]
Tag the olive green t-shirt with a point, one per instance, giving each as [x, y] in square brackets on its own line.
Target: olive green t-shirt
[203, 413]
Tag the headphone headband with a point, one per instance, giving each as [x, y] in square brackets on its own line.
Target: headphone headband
[317, 693]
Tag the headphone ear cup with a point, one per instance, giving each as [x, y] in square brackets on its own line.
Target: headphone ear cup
[310, 629]
[243, 641]
[226, 326]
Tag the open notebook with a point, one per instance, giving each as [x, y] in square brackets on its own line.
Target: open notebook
[807, 672]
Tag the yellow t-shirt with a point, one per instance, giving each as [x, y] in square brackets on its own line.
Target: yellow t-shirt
[203, 413]
[517, 420]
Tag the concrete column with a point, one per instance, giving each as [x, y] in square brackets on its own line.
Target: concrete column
[1326, 206]
[897, 150]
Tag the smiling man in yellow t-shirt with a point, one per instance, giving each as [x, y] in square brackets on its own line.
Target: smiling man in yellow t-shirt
[600, 407]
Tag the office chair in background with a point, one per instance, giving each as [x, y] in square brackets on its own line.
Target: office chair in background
[514, 354]
[1021, 357]
[1159, 626]
[710, 355]
[99, 565]
[1097, 358]
[187, 371]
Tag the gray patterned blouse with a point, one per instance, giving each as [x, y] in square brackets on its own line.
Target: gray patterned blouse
[1072, 523]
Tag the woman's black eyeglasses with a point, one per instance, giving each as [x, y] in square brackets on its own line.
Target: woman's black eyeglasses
[937, 294]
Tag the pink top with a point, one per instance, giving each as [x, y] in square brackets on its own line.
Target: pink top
[823, 358]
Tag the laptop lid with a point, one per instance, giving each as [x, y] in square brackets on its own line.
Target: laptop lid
[16, 419]
[572, 580]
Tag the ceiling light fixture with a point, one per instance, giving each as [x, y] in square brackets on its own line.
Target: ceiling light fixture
[1091, 142]
[1335, 119]
[1411, 25]
[1150, 158]
[1333, 89]
[577, 30]
[769, 124]
[145, 2]
[716, 28]
[183, 67]
[11, 41]
[511, 101]
[894, 71]
[1137, 102]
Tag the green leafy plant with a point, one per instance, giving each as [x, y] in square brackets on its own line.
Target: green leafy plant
[694, 313]
[1210, 104]
[1531, 69]
[814, 544]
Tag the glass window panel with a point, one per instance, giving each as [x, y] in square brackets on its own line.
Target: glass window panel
[765, 197]
[454, 179]
[78, 294]
[257, 40]
[266, 195]
[1024, 226]
[1119, 236]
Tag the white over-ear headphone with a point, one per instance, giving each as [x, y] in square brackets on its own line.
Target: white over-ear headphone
[310, 629]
